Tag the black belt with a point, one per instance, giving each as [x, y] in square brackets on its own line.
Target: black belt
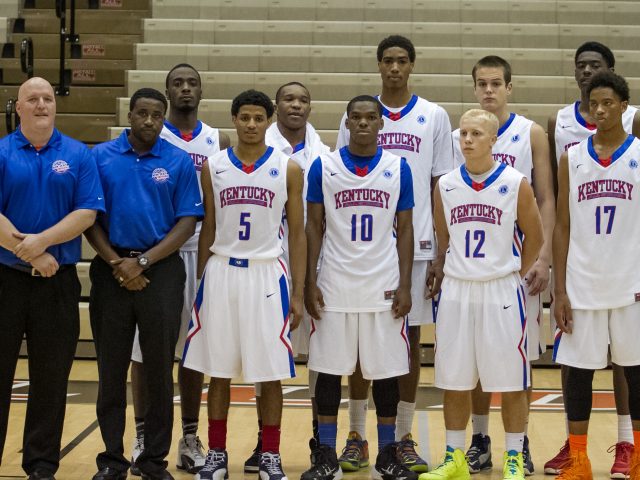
[127, 252]
[32, 271]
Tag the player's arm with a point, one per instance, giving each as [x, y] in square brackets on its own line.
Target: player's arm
[538, 275]
[404, 244]
[528, 218]
[225, 141]
[297, 241]
[314, 229]
[635, 129]
[562, 308]
[208, 228]
[442, 239]
[553, 161]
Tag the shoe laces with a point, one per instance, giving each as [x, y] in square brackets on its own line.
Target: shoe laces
[353, 449]
[271, 463]
[407, 451]
[138, 443]
[194, 445]
[623, 450]
[512, 464]
[215, 459]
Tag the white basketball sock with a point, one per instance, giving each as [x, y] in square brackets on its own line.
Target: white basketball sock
[358, 416]
[404, 419]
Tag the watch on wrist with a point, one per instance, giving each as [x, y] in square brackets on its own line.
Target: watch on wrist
[143, 261]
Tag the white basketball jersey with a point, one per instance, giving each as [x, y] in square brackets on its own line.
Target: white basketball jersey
[249, 206]
[513, 147]
[359, 270]
[204, 144]
[421, 133]
[484, 240]
[604, 252]
[572, 128]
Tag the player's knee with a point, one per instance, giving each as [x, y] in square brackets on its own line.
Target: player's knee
[386, 395]
[632, 374]
[328, 394]
[578, 394]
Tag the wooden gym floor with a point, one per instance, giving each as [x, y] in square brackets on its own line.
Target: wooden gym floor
[81, 439]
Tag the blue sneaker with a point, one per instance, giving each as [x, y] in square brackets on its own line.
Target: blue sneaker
[216, 466]
[479, 453]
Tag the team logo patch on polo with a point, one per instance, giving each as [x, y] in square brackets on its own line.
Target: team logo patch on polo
[60, 167]
[160, 175]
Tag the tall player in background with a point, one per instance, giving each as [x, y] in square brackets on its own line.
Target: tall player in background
[596, 285]
[360, 202]
[294, 136]
[521, 144]
[419, 131]
[200, 141]
[571, 125]
[242, 326]
[479, 210]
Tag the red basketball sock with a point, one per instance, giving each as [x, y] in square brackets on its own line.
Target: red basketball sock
[218, 434]
[271, 438]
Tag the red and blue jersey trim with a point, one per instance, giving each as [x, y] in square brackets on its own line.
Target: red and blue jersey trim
[285, 334]
[522, 344]
[507, 124]
[605, 162]
[478, 186]
[395, 116]
[249, 168]
[186, 137]
[360, 166]
[580, 119]
[298, 147]
[194, 324]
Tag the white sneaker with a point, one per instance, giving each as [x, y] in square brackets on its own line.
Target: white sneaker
[138, 447]
[191, 456]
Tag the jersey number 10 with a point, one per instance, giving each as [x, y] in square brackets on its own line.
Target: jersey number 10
[366, 227]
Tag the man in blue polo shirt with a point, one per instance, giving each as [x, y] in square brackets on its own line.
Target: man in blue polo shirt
[152, 204]
[49, 194]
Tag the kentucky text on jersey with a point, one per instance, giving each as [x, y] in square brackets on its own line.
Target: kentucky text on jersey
[505, 158]
[476, 212]
[198, 160]
[605, 188]
[362, 196]
[400, 141]
[247, 194]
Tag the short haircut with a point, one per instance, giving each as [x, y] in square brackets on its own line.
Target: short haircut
[608, 79]
[364, 98]
[288, 85]
[397, 41]
[597, 47]
[182, 65]
[493, 61]
[147, 93]
[252, 97]
[483, 115]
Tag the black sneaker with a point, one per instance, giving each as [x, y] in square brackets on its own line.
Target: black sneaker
[526, 457]
[216, 466]
[388, 467]
[325, 467]
[252, 464]
[313, 446]
[479, 453]
[271, 467]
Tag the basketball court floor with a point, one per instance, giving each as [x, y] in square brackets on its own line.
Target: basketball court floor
[81, 440]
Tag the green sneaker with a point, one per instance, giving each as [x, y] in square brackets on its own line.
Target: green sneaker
[409, 457]
[453, 467]
[355, 455]
[513, 466]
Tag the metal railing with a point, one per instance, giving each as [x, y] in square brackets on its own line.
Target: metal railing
[26, 56]
[66, 36]
[11, 118]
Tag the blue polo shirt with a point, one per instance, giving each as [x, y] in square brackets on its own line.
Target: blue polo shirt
[145, 195]
[40, 188]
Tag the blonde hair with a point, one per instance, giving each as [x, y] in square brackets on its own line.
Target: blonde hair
[487, 117]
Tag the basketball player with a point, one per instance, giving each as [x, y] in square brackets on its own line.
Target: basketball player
[363, 196]
[294, 136]
[522, 144]
[137, 279]
[200, 141]
[419, 131]
[596, 285]
[570, 126]
[243, 324]
[481, 211]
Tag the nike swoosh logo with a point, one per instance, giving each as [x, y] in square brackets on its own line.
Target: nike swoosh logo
[220, 171]
[271, 294]
[504, 308]
[449, 189]
[99, 198]
[198, 204]
[334, 173]
[578, 166]
[565, 126]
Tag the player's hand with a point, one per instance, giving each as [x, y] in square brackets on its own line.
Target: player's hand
[296, 310]
[136, 284]
[31, 246]
[401, 305]
[313, 301]
[537, 278]
[125, 269]
[435, 274]
[562, 312]
[46, 264]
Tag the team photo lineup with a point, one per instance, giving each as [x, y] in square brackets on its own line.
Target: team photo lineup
[234, 256]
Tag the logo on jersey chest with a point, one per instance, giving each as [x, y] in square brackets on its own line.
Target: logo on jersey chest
[160, 175]
[370, 197]
[399, 141]
[504, 158]
[476, 212]
[198, 160]
[60, 167]
[247, 195]
[605, 188]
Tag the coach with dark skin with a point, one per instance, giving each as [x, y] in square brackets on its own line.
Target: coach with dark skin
[152, 205]
[49, 194]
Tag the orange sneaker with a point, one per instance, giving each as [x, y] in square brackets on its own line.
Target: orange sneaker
[578, 468]
[634, 474]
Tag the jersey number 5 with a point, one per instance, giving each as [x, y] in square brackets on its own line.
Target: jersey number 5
[244, 223]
